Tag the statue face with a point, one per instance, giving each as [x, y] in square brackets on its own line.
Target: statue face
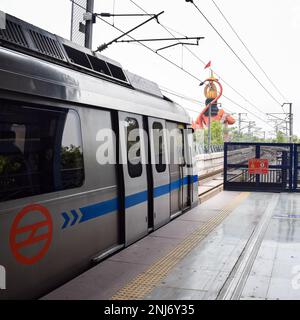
[210, 91]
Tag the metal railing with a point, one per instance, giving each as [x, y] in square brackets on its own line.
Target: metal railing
[204, 149]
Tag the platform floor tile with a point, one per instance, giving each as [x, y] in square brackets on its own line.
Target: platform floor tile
[275, 273]
[98, 283]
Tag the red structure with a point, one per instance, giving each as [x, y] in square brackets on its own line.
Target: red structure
[212, 96]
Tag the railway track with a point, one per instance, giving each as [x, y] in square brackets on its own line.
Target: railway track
[212, 183]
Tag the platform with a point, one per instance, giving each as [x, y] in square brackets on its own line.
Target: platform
[237, 245]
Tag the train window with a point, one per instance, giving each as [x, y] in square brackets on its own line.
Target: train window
[176, 147]
[180, 147]
[135, 168]
[71, 156]
[159, 147]
[40, 151]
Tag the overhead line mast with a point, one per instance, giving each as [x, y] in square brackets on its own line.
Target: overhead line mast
[177, 66]
[89, 25]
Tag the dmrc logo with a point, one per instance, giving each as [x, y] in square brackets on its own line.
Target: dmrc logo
[2, 278]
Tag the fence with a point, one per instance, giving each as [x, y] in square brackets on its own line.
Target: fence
[281, 174]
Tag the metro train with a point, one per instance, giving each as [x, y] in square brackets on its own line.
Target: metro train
[61, 209]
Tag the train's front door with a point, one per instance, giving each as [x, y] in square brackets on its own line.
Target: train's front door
[159, 171]
[133, 155]
[178, 168]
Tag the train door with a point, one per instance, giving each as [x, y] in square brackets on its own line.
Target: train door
[192, 168]
[184, 164]
[133, 155]
[160, 171]
[178, 169]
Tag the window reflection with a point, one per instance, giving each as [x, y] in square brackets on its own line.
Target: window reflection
[40, 150]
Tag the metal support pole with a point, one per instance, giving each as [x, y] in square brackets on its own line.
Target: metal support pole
[240, 126]
[89, 25]
[209, 130]
[251, 125]
[277, 131]
[72, 22]
[240, 121]
[291, 122]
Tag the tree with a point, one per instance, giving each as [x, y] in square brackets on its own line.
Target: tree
[280, 137]
[71, 157]
[217, 136]
[216, 133]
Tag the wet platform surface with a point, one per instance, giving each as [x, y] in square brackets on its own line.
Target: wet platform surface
[249, 250]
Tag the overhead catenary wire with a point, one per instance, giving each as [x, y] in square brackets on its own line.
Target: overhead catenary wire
[105, 45]
[199, 59]
[184, 70]
[142, 44]
[174, 64]
[235, 54]
[249, 52]
[184, 97]
[178, 95]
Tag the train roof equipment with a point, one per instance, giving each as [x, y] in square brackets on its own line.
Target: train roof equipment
[38, 43]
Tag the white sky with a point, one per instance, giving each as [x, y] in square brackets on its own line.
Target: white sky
[270, 28]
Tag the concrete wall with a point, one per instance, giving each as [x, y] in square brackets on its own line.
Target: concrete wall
[209, 163]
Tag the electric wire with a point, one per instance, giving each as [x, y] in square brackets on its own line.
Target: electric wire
[199, 59]
[248, 50]
[192, 100]
[235, 54]
[173, 63]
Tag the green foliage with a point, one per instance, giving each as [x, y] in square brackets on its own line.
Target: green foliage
[280, 137]
[216, 133]
[71, 157]
[10, 165]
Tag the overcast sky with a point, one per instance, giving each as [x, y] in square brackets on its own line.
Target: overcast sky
[270, 28]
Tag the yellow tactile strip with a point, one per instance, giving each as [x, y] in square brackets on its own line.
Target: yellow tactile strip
[146, 281]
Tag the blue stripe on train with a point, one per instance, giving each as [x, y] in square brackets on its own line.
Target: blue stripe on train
[135, 199]
[195, 178]
[102, 208]
[99, 209]
[161, 190]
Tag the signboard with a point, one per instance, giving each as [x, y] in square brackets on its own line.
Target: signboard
[258, 166]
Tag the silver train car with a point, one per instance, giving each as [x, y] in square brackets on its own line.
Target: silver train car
[61, 210]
